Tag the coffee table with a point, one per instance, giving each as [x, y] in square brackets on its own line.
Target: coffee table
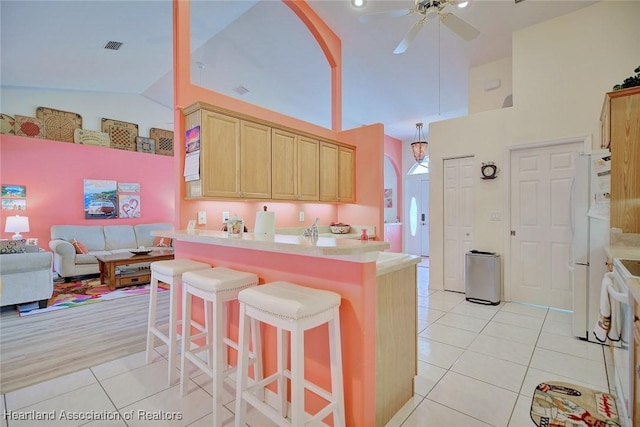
[108, 264]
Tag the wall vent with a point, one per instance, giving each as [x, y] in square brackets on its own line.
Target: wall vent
[240, 90]
[111, 45]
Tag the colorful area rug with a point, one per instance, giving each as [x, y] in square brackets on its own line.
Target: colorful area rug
[83, 292]
[562, 404]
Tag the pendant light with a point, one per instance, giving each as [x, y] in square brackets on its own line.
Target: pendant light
[420, 144]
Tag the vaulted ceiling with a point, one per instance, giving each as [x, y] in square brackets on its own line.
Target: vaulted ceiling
[263, 47]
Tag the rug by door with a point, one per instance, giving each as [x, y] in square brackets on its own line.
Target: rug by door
[83, 292]
[562, 404]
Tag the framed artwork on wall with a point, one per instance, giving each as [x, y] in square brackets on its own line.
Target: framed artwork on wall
[14, 191]
[100, 199]
[128, 187]
[129, 205]
[14, 204]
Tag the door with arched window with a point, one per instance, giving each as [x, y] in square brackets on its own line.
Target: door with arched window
[417, 209]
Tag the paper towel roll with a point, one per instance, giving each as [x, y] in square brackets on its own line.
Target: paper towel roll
[265, 223]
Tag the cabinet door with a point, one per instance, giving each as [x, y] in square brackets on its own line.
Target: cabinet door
[328, 172]
[284, 165]
[308, 169]
[220, 155]
[255, 160]
[625, 162]
[346, 173]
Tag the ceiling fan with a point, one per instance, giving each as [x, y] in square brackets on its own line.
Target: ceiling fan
[429, 9]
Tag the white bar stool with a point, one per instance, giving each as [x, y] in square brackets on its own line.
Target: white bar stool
[294, 309]
[169, 272]
[215, 286]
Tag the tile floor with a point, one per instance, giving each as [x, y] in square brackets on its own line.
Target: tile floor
[478, 366]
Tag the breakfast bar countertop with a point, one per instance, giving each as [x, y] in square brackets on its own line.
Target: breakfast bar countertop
[360, 250]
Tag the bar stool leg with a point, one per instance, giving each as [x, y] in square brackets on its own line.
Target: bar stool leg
[218, 351]
[173, 325]
[297, 376]
[186, 339]
[243, 368]
[283, 351]
[256, 343]
[335, 349]
[153, 301]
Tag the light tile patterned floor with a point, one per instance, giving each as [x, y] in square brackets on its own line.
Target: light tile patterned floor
[478, 366]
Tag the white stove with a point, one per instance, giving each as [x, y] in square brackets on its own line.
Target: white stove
[623, 355]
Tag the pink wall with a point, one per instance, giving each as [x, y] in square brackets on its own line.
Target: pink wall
[53, 173]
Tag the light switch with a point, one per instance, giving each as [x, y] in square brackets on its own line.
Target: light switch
[301, 216]
[495, 216]
[202, 217]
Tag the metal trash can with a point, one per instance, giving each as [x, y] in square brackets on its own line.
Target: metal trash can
[482, 278]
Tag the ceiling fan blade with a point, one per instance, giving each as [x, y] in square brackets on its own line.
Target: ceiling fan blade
[408, 38]
[388, 14]
[460, 27]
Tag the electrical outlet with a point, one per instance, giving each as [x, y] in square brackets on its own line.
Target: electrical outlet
[202, 217]
[225, 216]
[301, 216]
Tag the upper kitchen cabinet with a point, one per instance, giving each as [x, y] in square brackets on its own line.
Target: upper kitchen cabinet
[295, 166]
[621, 126]
[235, 156]
[255, 165]
[337, 171]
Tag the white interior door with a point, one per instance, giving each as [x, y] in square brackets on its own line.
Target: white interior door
[541, 237]
[424, 217]
[458, 219]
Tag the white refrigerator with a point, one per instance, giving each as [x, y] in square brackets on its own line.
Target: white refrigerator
[590, 228]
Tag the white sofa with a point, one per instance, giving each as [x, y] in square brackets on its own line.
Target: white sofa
[25, 277]
[99, 240]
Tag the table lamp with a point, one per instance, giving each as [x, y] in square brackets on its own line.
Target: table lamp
[17, 224]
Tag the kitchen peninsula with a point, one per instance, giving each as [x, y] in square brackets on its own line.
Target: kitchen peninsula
[378, 313]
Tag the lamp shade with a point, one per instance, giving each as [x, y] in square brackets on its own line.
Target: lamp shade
[16, 224]
[420, 145]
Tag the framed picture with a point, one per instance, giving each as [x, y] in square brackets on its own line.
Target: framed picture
[14, 191]
[14, 204]
[100, 199]
[129, 206]
[128, 187]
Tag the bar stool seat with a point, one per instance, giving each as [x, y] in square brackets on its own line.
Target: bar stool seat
[215, 286]
[169, 272]
[294, 309]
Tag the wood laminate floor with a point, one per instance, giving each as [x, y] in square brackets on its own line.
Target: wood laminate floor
[48, 345]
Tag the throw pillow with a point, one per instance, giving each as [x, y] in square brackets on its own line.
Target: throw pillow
[162, 242]
[80, 247]
[12, 246]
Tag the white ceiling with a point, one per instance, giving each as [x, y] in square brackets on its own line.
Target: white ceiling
[264, 47]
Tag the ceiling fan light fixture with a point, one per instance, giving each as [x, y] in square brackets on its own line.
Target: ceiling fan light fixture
[420, 145]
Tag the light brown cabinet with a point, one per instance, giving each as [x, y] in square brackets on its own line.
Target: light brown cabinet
[232, 157]
[620, 128]
[337, 172]
[295, 166]
[242, 157]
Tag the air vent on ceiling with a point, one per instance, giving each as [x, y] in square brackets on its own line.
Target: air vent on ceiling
[113, 45]
[240, 90]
